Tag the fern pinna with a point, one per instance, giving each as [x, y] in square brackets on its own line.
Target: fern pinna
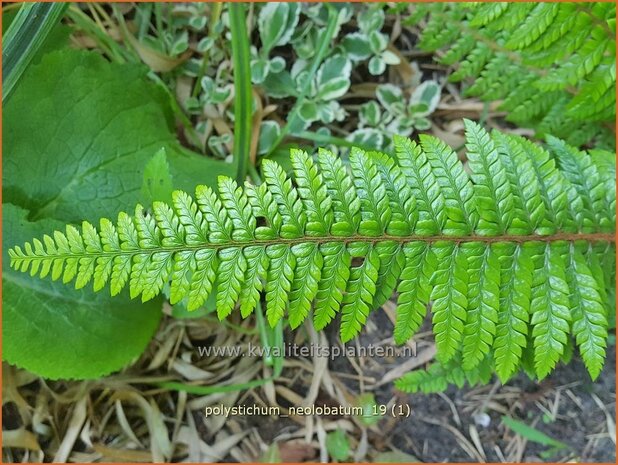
[513, 258]
[553, 65]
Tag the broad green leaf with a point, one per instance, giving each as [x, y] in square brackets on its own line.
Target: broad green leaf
[376, 66]
[377, 41]
[276, 23]
[371, 19]
[269, 131]
[357, 46]
[370, 113]
[259, 70]
[338, 445]
[84, 164]
[390, 97]
[333, 78]
[428, 93]
[58, 332]
[157, 181]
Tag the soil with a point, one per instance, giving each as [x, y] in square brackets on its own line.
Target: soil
[576, 419]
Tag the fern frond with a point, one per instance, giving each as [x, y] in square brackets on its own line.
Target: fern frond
[551, 64]
[510, 250]
[439, 375]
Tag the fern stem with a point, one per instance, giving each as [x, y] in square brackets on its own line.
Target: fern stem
[567, 237]
[596, 20]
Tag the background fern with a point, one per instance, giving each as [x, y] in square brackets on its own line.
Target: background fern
[513, 257]
[553, 65]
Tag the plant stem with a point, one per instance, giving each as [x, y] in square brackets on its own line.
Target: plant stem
[215, 14]
[325, 41]
[24, 38]
[84, 22]
[265, 334]
[242, 86]
[254, 175]
[513, 238]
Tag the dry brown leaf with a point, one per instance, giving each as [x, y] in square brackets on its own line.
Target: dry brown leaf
[121, 455]
[155, 60]
[421, 359]
[20, 438]
[75, 425]
[295, 451]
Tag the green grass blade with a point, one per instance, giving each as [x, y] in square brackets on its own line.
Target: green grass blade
[24, 39]
[242, 86]
[532, 434]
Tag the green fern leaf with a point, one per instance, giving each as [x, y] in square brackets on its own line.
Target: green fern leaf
[313, 193]
[550, 303]
[551, 65]
[516, 271]
[401, 201]
[287, 199]
[449, 296]
[217, 218]
[231, 276]
[424, 186]
[494, 200]
[264, 205]
[333, 283]
[257, 265]
[528, 207]
[392, 260]
[589, 321]
[346, 204]
[181, 276]
[462, 217]
[239, 210]
[278, 281]
[515, 260]
[203, 278]
[191, 218]
[309, 263]
[414, 289]
[583, 175]
[375, 209]
[359, 293]
[483, 302]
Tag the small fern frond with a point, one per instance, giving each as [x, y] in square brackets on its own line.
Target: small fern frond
[553, 65]
[438, 376]
[510, 253]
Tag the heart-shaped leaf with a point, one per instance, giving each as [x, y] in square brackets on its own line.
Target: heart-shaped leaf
[80, 134]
